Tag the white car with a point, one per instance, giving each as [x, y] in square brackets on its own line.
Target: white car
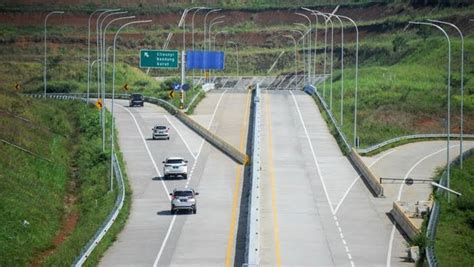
[183, 199]
[160, 132]
[174, 166]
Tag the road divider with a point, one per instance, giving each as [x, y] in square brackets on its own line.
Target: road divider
[252, 254]
[372, 180]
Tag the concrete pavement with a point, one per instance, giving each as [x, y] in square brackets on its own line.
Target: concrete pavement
[153, 236]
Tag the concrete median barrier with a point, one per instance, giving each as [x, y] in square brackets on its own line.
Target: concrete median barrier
[372, 180]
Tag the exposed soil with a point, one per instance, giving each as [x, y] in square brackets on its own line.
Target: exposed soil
[68, 225]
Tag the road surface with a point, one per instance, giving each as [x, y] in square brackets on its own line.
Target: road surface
[154, 237]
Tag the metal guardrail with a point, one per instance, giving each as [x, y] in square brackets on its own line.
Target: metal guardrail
[311, 90]
[434, 215]
[92, 244]
[407, 137]
[253, 236]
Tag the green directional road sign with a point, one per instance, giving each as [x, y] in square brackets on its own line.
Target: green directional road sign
[162, 59]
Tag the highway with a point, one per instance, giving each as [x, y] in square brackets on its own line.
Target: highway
[315, 209]
[154, 237]
[309, 216]
[415, 160]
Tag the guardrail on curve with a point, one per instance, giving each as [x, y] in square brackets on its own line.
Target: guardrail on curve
[434, 215]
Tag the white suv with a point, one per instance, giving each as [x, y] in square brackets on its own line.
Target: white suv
[160, 132]
[175, 166]
[183, 199]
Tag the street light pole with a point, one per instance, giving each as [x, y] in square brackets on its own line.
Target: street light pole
[342, 67]
[316, 13]
[89, 67]
[102, 69]
[236, 49]
[315, 39]
[113, 96]
[296, 60]
[192, 26]
[309, 44]
[462, 87]
[205, 25]
[303, 57]
[45, 50]
[213, 22]
[449, 95]
[356, 76]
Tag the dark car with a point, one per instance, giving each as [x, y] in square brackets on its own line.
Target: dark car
[136, 100]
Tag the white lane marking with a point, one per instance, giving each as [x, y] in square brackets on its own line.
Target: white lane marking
[357, 179]
[170, 228]
[392, 234]
[349, 257]
[314, 154]
[181, 136]
[147, 149]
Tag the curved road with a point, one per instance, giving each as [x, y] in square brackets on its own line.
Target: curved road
[315, 209]
[152, 236]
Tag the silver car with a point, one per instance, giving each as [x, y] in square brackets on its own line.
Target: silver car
[183, 199]
[160, 132]
[174, 166]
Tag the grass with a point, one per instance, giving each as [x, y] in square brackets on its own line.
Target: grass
[32, 202]
[406, 94]
[454, 244]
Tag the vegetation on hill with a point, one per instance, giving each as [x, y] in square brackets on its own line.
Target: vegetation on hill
[53, 179]
[454, 243]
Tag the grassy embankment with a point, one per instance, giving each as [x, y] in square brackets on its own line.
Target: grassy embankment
[52, 202]
[454, 244]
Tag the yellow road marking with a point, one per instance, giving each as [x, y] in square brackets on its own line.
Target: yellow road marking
[238, 174]
[271, 168]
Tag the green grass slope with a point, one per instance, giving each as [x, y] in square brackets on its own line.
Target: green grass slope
[67, 162]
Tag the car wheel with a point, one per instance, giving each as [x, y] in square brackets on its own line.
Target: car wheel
[173, 211]
[168, 138]
[185, 176]
[194, 210]
[165, 176]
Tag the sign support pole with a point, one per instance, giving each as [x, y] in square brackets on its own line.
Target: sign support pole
[183, 65]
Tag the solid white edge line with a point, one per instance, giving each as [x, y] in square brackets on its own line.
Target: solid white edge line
[314, 155]
[392, 234]
[147, 149]
[180, 136]
[322, 180]
[170, 228]
[357, 179]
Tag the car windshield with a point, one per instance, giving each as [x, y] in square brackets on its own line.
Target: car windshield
[183, 193]
[160, 127]
[137, 97]
[174, 161]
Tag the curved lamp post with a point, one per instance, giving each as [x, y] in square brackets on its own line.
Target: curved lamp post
[303, 57]
[113, 96]
[316, 13]
[45, 50]
[296, 59]
[236, 49]
[449, 93]
[309, 44]
[356, 75]
[462, 86]
[89, 65]
[342, 66]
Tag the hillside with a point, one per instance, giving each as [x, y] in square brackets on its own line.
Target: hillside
[401, 90]
[54, 195]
